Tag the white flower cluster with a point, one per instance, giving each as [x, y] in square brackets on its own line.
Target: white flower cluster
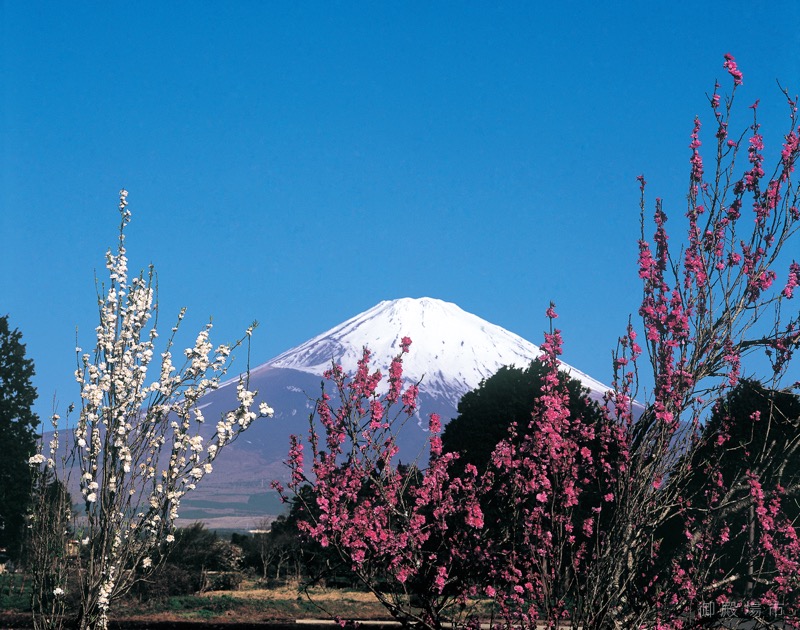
[265, 410]
[37, 459]
[106, 587]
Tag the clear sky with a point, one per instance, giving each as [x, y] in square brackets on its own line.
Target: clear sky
[298, 162]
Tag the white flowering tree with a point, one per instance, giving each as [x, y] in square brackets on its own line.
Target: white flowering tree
[137, 444]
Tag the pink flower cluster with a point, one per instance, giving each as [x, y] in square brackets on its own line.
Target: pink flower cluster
[732, 68]
[387, 520]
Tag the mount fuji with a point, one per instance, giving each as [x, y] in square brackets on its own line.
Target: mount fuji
[452, 351]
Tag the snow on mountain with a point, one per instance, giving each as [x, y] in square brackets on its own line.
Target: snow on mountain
[451, 350]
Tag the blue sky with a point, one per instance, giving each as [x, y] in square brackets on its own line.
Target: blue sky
[296, 163]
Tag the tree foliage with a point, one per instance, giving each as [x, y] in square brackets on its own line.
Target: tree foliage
[508, 397]
[17, 436]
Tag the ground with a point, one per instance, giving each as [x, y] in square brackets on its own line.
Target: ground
[248, 606]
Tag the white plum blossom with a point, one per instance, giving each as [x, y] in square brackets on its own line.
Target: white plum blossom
[265, 410]
[136, 440]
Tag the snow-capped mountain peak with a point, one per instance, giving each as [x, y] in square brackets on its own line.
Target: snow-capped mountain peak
[451, 350]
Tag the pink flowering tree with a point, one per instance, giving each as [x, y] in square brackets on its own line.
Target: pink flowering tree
[404, 532]
[710, 302]
[549, 490]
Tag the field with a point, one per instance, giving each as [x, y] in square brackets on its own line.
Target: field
[246, 606]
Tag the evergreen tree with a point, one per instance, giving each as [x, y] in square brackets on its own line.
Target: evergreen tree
[17, 436]
[486, 413]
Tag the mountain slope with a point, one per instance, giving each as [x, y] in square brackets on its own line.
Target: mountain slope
[451, 352]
